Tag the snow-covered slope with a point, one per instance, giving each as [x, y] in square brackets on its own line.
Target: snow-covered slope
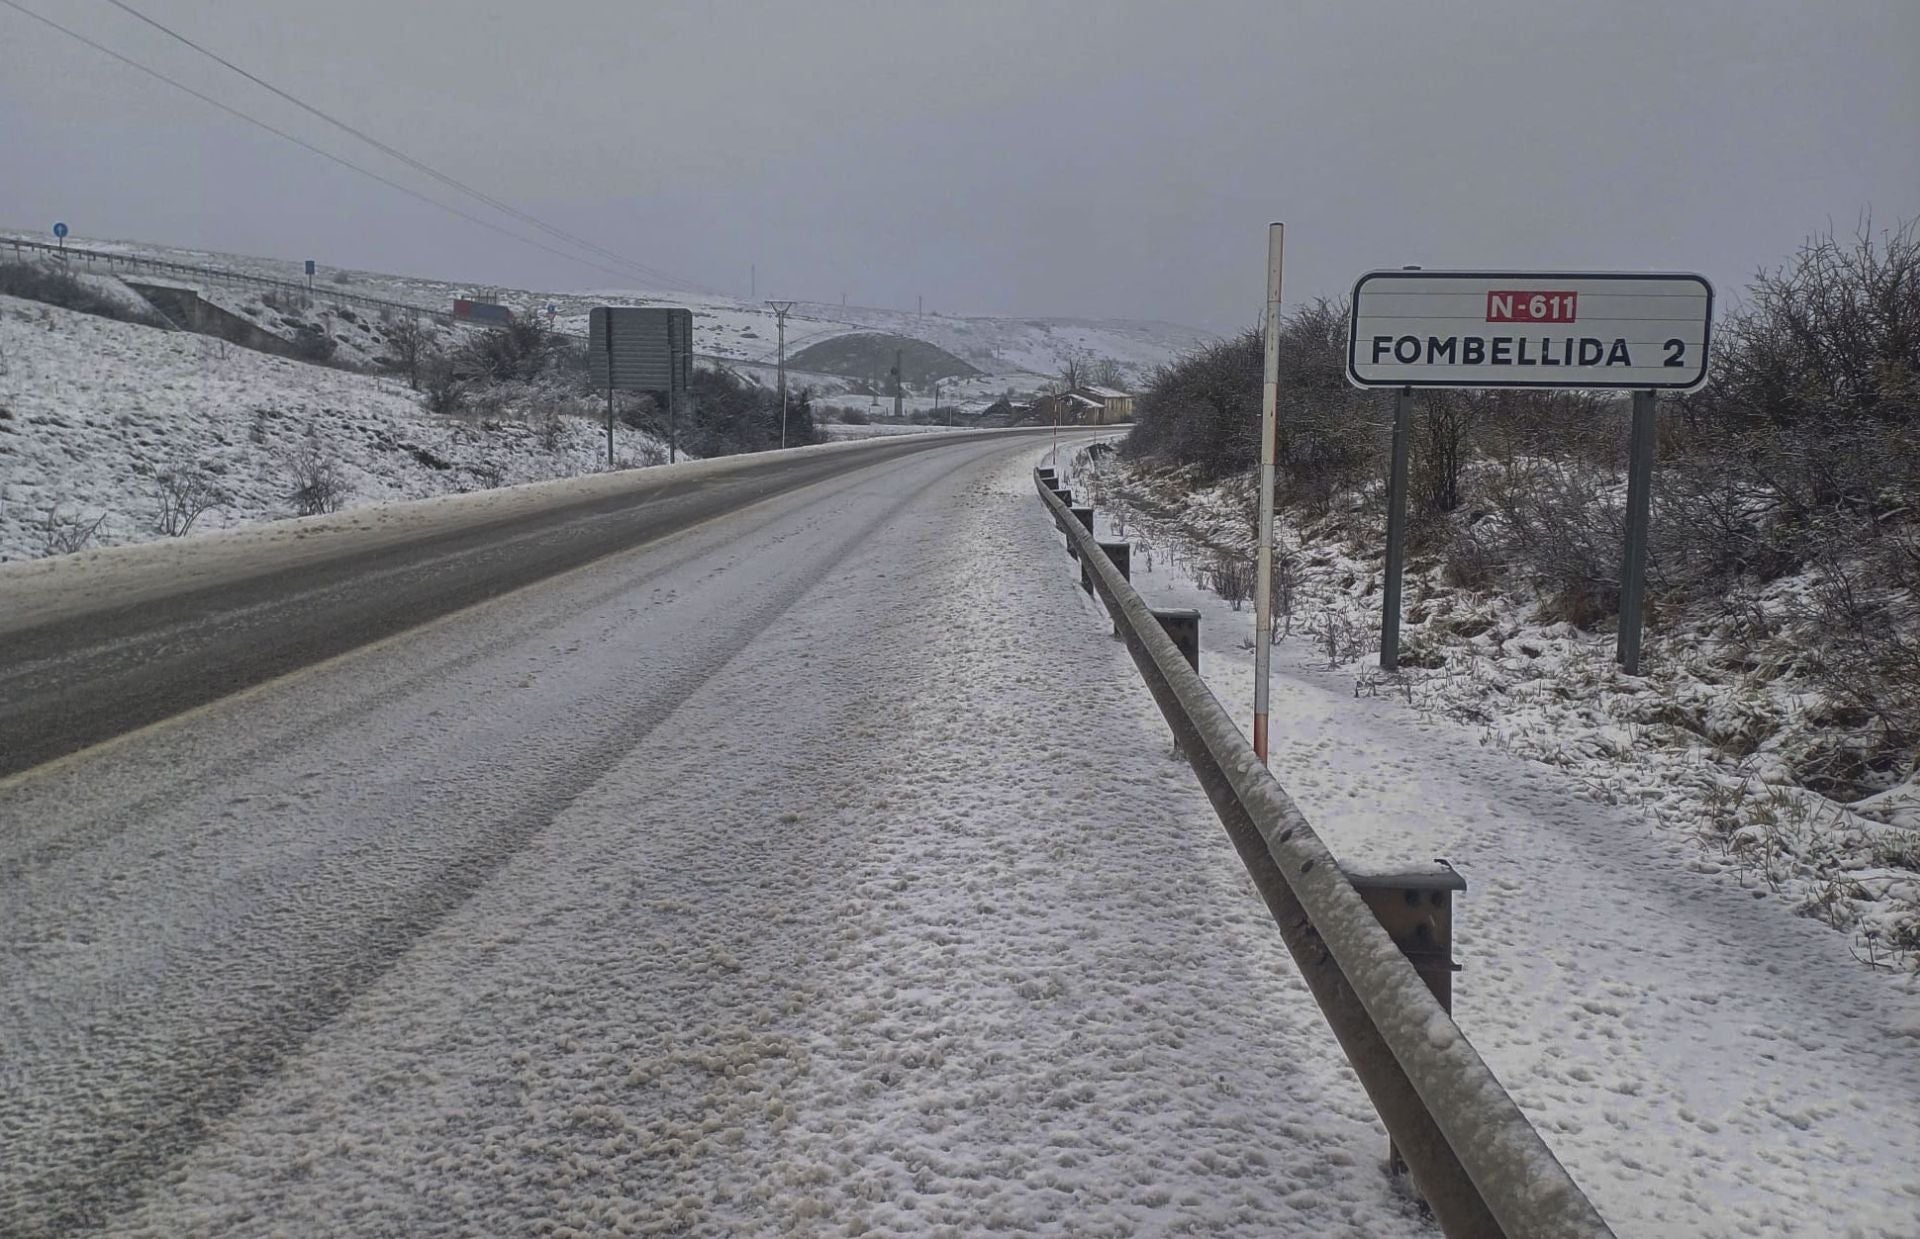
[1013, 352]
[95, 414]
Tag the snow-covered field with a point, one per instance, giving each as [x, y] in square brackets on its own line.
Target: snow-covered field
[94, 414]
[1704, 1060]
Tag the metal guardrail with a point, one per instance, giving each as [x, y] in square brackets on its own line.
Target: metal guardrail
[221, 274]
[1474, 1157]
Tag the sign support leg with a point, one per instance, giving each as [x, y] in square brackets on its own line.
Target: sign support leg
[1263, 568]
[1396, 530]
[1633, 573]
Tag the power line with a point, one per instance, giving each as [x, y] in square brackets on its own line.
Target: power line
[324, 154]
[409, 160]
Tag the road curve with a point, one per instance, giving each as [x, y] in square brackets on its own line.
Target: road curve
[69, 680]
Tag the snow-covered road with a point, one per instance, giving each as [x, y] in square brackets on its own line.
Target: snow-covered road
[819, 869]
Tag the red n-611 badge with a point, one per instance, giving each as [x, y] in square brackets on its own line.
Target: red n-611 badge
[1523, 306]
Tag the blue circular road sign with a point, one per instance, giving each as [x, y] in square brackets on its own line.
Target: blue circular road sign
[60, 230]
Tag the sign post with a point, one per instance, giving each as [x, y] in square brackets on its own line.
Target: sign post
[1396, 530]
[643, 348]
[1633, 571]
[60, 235]
[1269, 435]
[1597, 331]
[309, 276]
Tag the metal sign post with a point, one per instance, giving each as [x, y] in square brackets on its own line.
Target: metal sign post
[60, 235]
[1639, 332]
[1633, 572]
[309, 275]
[607, 343]
[1269, 435]
[646, 349]
[1396, 530]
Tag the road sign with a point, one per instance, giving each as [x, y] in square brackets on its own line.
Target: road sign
[652, 348]
[642, 348]
[60, 230]
[309, 266]
[1530, 329]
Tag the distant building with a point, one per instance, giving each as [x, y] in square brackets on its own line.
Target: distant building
[1085, 406]
[1115, 405]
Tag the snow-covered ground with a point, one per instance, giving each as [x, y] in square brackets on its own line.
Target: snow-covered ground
[1023, 352]
[1702, 1059]
[94, 414]
[822, 870]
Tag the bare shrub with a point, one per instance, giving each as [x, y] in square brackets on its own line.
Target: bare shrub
[445, 390]
[61, 534]
[551, 433]
[319, 487]
[185, 492]
[1561, 524]
[409, 344]
[1232, 578]
[1862, 622]
[312, 343]
[652, 454]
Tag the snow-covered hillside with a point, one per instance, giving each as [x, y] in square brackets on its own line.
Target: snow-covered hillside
[1017, 353]
[104, 425]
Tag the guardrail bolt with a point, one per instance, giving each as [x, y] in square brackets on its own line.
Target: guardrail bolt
[1415, 906]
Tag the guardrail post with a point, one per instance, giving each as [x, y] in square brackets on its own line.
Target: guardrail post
[1183, 626]
[1084, 515]
[1121, 553]
[1415, 906]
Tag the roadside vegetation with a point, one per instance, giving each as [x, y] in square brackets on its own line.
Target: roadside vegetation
[1783, 652]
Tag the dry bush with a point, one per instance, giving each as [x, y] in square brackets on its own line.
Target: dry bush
[61, 534]
[1231, 577]
[319, 487]
[185, 493]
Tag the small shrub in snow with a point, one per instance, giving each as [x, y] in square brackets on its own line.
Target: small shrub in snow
[318, 485]
[312, 343]
[61, 534]
[440, 382]
[652, 454]
[185, 494]
[1231, 577]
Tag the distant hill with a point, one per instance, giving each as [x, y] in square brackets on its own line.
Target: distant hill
[991, 354]
[869, 355]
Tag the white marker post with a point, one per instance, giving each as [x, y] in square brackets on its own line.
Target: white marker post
[1263, 577]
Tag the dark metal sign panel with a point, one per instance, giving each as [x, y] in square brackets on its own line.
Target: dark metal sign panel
[651, 348]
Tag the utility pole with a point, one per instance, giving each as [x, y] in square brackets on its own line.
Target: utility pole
[780, 311]
[919, 306]
[753, 282]
[936, 401]
[899, 385]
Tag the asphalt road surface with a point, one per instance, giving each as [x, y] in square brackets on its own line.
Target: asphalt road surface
[790, 852]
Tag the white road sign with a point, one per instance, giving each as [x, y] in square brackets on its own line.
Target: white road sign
[1529, 329]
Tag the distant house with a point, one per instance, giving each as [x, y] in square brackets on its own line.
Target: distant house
[1115, 406]
[1085, 406]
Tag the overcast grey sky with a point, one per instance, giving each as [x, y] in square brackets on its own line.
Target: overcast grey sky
[1107, 159]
